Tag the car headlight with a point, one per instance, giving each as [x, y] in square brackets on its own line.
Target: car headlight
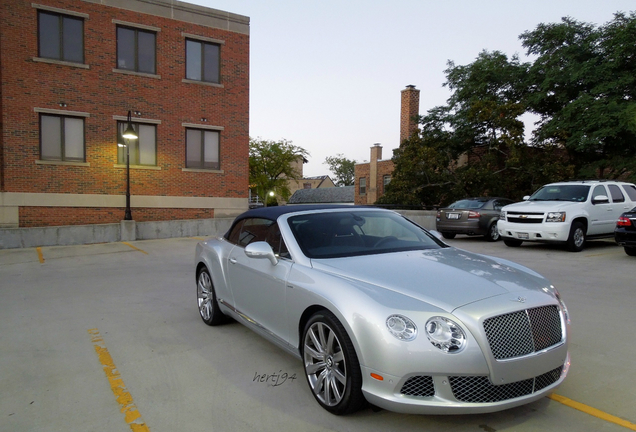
[445, 334]
[555, 217]
[401, 327]
[502, 215]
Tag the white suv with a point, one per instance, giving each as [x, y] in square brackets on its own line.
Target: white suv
[569, 212]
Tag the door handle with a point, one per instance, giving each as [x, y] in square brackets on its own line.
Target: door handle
[233, 260]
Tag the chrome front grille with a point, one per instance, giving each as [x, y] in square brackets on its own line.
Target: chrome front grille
[524, 218]
[419, 386]
[523, 332]
[479, 389]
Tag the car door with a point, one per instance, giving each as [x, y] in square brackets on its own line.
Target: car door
[602, 219]
[259, 287]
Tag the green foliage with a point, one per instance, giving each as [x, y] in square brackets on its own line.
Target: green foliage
[272, 165]
[342, 168]
[581, 84]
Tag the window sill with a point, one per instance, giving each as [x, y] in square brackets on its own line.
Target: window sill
[56, 162]
[61, 62]
[129, 72]
[139, 167]
[212, 171]
[211, 84]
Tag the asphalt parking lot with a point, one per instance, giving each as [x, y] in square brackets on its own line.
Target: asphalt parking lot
[107, 337]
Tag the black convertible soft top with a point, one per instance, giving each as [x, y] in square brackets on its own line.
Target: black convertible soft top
[272, 213]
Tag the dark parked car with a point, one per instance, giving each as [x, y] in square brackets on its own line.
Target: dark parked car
[625, 231]
[472, 216]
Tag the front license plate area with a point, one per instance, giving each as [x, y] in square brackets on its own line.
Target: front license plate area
[452, 215]
[523, 236]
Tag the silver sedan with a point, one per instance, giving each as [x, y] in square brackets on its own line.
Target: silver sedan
[382, 312]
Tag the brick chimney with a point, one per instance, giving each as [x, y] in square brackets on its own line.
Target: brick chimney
[410, 112]
[372, 187]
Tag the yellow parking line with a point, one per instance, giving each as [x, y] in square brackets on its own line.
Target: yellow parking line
[593, 411]
[128, 407]
[40, 256]
[136, 248]
[198, 238]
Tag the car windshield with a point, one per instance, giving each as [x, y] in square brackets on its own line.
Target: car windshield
[353, 233]
[471, 203]
[576, 193]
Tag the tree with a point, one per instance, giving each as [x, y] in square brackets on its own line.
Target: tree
[582, 85]
[475, 144]
[342, 168]
[272, 165]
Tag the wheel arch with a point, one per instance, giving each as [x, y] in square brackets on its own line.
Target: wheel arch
[312, 310]
[582, 220]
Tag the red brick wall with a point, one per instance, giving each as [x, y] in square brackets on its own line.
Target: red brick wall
[102, 93]
[385, 167]
[56, 216]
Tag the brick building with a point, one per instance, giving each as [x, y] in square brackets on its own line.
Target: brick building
[71, 70]
[372, 177]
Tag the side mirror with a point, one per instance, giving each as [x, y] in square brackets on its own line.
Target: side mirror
[526, 198]
[600, 199]
[261, 249]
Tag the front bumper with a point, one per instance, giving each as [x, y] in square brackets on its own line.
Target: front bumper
[448, 394]
[543, 232]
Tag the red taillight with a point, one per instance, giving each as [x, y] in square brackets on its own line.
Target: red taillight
[623, 222]
[473, 215]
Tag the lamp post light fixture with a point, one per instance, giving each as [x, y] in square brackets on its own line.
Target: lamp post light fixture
[128, 134]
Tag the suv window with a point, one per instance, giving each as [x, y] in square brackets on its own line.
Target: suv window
[599, 190]
[617, 195]
[630, 190]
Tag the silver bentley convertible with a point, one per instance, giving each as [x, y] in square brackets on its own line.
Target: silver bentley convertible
[381, 311]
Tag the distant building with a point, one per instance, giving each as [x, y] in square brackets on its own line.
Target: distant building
[70, 71]
[371, 178]
[331, 195]
[317, 182]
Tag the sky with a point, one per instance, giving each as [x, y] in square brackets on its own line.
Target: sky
[327, 75]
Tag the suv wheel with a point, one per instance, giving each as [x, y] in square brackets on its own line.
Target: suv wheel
[448, 235]
[631, 251]
[576, 240]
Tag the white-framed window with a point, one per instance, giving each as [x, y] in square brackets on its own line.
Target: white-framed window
[202, 149]
[142, 151]
[62, 138]
[362, 185]
[60, 37]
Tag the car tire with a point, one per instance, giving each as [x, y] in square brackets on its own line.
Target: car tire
[512, 242]
[330, 362]
[576, 239]
[206, 298]
[492, 235]
[631, 251]
[448, 236]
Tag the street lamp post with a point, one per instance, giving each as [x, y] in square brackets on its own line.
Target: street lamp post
[128, 134]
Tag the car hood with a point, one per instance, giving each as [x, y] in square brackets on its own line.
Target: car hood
[540, 206]
[447, 278]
